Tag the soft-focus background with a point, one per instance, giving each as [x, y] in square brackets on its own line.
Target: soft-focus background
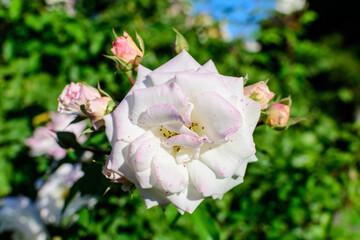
[306, 184]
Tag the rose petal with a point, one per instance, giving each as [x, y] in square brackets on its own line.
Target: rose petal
[182, 62]
[252, 113]
[115, 167]
[142, 150]
[183, 140]
[210, 66]
[186, 201]
[152, 197]
[118, 125]
[226, 158]
[159, 78]
[186, 154]
[194, 84]
[140, 157]
[180, 128]
[219, 118]
[235, 84]
[206, 182]
[171, 177]
[168, 93]
[142, 79]
[161, 114]
[241, 170]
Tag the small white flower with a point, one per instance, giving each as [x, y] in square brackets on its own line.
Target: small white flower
[53, 193]
[18, 214]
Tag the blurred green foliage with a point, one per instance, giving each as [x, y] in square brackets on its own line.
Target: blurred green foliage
[306, 183]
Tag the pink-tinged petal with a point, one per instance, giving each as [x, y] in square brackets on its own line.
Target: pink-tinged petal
[184, 141]
[115, 167]
[252, 113]
[187, 114]
[224, 159]
[181, 129]
[171, 177]
[210, 66]
[118, 125]
[184, 155]
[219, 118]
[206, 181]
[194, 84]
[168, 93]
[235, 84]
[182, 62]
[158, 78]
[142, 79]
[145, 178]
[186, 201]
[241, 170]
[161, 114]
[110, 130]
[153, 197]
[142, 150]
[253, 158]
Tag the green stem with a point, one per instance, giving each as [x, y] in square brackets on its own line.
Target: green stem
[96, 151]
[129, 75]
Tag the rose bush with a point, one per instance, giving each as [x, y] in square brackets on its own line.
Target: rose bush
[182, 133]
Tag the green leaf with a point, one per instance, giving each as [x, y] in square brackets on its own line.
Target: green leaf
[15, 9]
[110, 107]
[286, 101]
[67, 140]
[78, 118]
[88, 130]
[140, 41]
[113, 30]
[204, 224]
[180, 42]
[102, 92]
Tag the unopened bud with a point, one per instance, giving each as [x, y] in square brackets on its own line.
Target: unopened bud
[95, 110]
[259, 92]
[127, 54]
[278, 115]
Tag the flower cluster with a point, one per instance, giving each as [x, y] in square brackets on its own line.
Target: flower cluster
[183, 133]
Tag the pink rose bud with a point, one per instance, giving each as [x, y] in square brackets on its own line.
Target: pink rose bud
[278, 115]
[74, 95]
[96, 110]
[259, 92]
[126, 49]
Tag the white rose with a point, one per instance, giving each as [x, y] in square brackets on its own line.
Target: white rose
[18, 214]
[53, 193]
[183, 133]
